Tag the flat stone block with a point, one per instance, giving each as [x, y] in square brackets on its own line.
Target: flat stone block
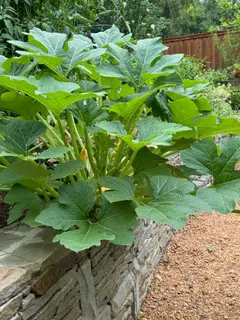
[123, 293]
[10, 308]
[12, 281]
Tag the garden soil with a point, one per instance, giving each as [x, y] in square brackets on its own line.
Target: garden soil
[199, 277]
[4, 210]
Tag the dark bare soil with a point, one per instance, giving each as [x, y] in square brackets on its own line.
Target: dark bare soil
[4, 210]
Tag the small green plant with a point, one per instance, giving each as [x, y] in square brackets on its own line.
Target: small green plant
[235, 98]
[191, 68]
[222, 99]
[211, 250]
[86, 131]
[229, 48]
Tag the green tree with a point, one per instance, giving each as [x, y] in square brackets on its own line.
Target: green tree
[230, 13]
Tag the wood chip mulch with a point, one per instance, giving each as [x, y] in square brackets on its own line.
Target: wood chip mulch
[200, 275]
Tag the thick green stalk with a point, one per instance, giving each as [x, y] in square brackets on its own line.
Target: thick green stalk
[71, 126]
[59, 123]
[51, 190]
[90, 153]
[119, 152]
[45, 194]
[70, 153]
[128, 165]
[4, 161]
[49, 127]
[72, 133]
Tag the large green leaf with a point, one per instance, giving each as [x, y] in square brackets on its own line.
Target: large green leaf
[30, 170]
[222, 197]
[184, 111]
[131, 104]
[50, 42]
[81, 239]
[9, 177]
[20, 104]
[18, 66]
[44, 46]
[165, 65]
[53, 94]
[116, 224]
[27, 173]
[172, 203]
[114, 128]
[120, 189]
[19, 135]
[146, 165]
[136, 66]
[26, 202]
[77, 53]
[89, 112]
[150, 131]
[65, 169]
[213, 126]
[54, 152]
[145, 52]
[111, 35]
[204, 157]
[73, 206]
[48, 49]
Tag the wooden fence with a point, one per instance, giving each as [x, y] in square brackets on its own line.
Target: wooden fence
[197, 45]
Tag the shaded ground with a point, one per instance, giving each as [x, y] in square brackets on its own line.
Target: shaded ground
[200, 275]
[4, 210]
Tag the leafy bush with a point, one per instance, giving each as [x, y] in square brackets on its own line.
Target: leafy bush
[191, 68]
[220, 98]
[196, 69]
[229, 48]
[235, 99]
[90, 125]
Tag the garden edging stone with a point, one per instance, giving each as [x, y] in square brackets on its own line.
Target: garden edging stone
[44, 281]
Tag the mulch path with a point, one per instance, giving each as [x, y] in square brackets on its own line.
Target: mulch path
[200, 275]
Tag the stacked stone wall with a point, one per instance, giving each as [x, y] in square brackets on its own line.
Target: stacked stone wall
[40, 280]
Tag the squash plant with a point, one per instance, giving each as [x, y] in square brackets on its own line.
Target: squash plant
[86, 130]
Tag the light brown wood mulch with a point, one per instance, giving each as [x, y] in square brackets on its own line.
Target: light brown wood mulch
[200, 275]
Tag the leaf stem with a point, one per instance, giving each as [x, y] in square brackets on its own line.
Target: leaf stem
[72, 133]
[45, 194]
[126, 168]
[49, 127]
[70, 121]
[51, 191]
[90, 152]
[4, 161]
